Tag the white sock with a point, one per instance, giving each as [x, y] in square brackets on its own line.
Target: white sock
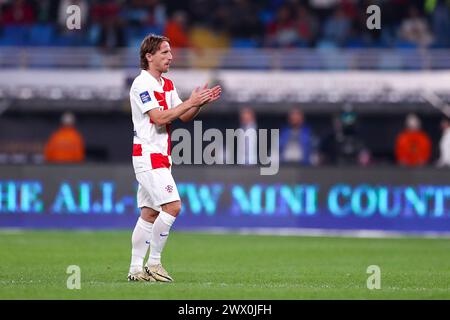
[161, 228]
[140, 241]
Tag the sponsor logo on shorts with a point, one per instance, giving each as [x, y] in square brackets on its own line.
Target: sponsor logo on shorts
[169, 188]
[164, 234]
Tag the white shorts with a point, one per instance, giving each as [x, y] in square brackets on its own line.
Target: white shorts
[156, 187]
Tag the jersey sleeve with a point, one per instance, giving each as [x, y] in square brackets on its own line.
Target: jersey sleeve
[175, 98]
[142, 95]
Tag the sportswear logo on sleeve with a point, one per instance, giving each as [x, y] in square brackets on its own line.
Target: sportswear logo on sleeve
[145, 97]
[169, 188]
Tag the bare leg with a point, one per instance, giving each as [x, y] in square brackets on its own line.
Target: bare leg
[148, 214]
[172, 208]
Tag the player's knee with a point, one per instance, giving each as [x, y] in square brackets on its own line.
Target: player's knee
[149, 214]
[173, 208]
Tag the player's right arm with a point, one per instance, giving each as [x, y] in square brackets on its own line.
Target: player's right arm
[198, 97]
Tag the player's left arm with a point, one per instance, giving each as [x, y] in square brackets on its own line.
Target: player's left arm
[193, 112]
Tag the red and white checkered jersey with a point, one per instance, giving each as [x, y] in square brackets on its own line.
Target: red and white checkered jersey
[151, 143]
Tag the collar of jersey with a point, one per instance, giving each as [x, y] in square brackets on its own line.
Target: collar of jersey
[147, 74]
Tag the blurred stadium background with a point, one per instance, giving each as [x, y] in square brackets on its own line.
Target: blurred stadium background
[349, 93]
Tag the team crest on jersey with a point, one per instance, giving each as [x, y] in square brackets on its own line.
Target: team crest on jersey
[169, 188]
[145, 97]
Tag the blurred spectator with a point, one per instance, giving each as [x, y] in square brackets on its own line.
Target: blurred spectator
[413, 146]
[135, 14]
[157, 11]
[247, 153]
[209, 33]
[200, 10]
[444, 145]
[337, 27]
[360, 35]
[244, 23]
[111, 34]
[296, 140]
[307, 26]
[65, 145]
[344, 146]
[204, 36]
[47, 11]
[220, 19]
[106, 16]
[414, 29]
[142, 13]
[282, 32]
[176, 30]
[323, 7]
[19, 12]
[350, 8]
[440, 21]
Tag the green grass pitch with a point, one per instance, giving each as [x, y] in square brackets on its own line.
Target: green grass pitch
[227, 266]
